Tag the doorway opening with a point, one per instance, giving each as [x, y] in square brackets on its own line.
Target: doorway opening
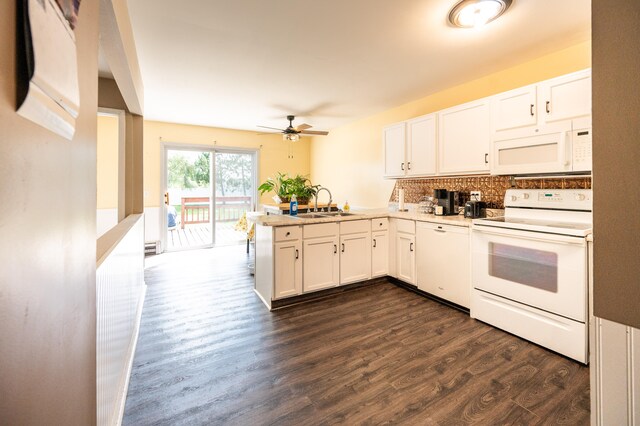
[207, 194]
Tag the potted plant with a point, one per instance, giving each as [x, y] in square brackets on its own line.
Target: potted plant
[285, 186]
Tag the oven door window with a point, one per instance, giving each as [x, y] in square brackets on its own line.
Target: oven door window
[534, 268]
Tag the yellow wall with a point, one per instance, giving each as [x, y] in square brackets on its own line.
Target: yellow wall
[107, 162]
[273, 152]
[350, 160]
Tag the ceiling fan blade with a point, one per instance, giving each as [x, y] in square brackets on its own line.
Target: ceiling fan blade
[272, 128]
[314, 132]
[302, 127]
[267, 133]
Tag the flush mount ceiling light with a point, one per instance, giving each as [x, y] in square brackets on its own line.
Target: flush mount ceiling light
[476, 13]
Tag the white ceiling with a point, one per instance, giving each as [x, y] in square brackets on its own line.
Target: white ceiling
[240, 63]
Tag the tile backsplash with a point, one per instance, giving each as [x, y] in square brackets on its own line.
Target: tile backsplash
[493, 188]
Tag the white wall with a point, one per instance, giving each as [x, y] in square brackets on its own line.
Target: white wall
[105, 220]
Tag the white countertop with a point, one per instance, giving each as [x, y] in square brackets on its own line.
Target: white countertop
[286, 220]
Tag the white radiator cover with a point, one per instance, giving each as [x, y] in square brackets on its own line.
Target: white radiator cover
[120, 291]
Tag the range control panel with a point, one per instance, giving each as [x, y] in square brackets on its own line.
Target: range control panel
[558, 199]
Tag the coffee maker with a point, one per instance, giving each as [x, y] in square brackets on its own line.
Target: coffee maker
[449, 200]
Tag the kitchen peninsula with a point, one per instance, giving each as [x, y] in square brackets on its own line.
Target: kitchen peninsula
[309, 256]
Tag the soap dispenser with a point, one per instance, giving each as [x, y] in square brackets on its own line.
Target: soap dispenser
[293, 206]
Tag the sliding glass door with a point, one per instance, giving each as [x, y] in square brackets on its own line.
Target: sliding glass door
[235, 195]
[207, 194]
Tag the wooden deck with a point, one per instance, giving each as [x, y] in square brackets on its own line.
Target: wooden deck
[199, 235]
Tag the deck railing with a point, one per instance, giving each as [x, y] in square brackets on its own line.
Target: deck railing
[196, 209]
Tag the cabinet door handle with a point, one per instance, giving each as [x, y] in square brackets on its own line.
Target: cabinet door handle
[410, 246]
[531, 109]
[297, 254]
[342, 247]
[486, 158]
[547, 107]
[440, 230]
[374, 243]
[402, 166]
[335, 249]
[409, 165]
[288, 233]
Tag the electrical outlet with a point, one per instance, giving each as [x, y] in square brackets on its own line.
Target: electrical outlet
[476, 196]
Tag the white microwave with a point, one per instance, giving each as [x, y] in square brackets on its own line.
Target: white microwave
[561, 151]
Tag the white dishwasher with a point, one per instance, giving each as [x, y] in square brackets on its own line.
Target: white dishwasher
[442, 259]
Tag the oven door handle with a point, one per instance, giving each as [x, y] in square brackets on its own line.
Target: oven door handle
[525, 235]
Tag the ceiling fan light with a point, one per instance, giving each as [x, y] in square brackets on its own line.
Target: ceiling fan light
[292, 137]
[476, 13]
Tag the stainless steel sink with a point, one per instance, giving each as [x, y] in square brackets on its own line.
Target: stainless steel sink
[330, 214]
[324, 215]
[310, 216]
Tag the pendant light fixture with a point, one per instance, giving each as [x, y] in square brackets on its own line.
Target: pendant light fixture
[476, 13]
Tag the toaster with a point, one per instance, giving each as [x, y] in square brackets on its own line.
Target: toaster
[475, 209]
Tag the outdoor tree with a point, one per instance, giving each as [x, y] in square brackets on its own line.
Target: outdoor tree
[201, 169]
[180, 172]
[233, 172]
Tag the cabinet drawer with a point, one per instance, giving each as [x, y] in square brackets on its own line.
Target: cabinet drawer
[354, 227]
[287, 233]
[320, 230]
[380, 224]
[406, 226]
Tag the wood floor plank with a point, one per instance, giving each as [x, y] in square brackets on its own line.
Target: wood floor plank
[209, 352]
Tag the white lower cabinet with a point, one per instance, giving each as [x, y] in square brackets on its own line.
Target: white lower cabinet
[379, 254]
[287, 269]
[406, 257]
[355, 258]
[355, 251]
[321, 258]
[292, 260]
[443, 261]
[405, 250]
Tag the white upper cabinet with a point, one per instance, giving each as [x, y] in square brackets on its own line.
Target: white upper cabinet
[421, 146]
[541, 108]
[410, 148]
[394, 137]
[464, 138]
[566, 97]
[459, 140]
[515, 109]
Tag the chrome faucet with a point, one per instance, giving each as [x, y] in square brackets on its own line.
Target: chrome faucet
[315, 207]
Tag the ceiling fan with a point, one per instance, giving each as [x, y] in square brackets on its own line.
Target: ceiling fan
[293, 133]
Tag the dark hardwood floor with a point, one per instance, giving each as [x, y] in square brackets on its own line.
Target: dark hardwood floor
[210, 353]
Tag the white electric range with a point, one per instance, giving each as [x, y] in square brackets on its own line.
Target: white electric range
[529, 268]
